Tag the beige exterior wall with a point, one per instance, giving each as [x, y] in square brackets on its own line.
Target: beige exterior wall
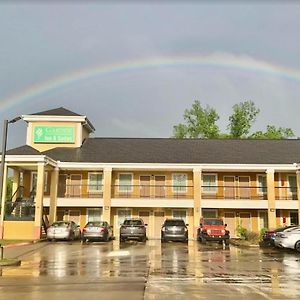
[19, 230]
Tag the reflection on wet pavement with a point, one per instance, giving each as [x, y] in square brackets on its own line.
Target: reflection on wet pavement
[160, 271]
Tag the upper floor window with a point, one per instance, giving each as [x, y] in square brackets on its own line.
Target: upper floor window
[125, 182]
[179, 182]
[209, 183]
[292, 184]
[262, 184]
[95, 182]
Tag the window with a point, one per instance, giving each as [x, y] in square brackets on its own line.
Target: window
[262, 184]
[179, 214]
[94, 214]
[292, 184]
[209, 183]
[95, 182]
[34, 181]
[125, 182]
[122, 215]
[294, 220]
[179, 182]
[209, 213]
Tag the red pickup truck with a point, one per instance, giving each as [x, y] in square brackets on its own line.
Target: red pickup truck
[212, 229]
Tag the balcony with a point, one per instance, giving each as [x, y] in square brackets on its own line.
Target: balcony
[80, 191]
[232, 192]
[152, 191]
[286, 193]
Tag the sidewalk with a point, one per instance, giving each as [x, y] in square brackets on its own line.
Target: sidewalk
[20, 249]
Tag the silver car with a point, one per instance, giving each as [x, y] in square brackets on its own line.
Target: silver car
[289, 238]
[63, 230]
[97, 231]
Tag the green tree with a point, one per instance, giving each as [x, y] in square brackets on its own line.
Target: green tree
[243, 116]
[273, 133]
[199, 123]
[9, 188]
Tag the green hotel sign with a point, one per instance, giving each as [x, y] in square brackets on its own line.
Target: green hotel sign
[54, 134]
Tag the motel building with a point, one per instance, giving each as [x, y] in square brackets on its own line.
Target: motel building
[63, 173]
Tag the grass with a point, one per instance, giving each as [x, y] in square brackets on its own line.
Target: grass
[10, 242]
[9, 262]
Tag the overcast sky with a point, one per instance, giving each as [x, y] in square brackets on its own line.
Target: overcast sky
[40, 43]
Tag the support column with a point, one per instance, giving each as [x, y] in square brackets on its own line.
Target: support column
[39, 200]
[298, 194]
[16, 183]
[53, 195]
[4, 191]
[197, 199]
[107, 177]
[271, 198]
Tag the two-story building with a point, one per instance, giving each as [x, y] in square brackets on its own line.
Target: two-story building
[64, 174]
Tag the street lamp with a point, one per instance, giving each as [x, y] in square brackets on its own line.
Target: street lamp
[5, 125]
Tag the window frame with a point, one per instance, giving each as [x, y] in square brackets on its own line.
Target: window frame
[131, 183]
[89, 183]
[216, 183]
[180, 187]
[45, 180]
[259, 189]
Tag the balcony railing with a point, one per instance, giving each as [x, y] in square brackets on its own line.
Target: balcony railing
[286, 193]
[80, 191]
[234, 192]
[152, 191]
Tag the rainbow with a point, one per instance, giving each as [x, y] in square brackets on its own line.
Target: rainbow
[227, 61]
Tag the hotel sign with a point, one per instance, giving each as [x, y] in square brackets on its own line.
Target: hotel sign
[54, 134]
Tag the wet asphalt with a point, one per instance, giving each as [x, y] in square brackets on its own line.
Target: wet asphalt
[151, 270]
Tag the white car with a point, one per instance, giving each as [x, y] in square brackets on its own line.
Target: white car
[289, 238]
[63, 230]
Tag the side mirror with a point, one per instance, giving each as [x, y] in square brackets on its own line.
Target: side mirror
[225, 225]
[111, 226]
[186, 224]
[146, 224]
[78, 226]
[200, 224]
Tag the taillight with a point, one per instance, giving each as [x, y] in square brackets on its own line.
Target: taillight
[103, 230]
[123, 226]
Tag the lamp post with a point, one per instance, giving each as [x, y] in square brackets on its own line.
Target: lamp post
[4, 140]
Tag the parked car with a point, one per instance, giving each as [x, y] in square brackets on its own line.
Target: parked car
[97, 231]
[213, 229]
[289, 238]
[174, 230]
[63, 230]
[133, 228]
[269, 235]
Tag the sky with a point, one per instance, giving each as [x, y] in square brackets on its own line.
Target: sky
[133, 67]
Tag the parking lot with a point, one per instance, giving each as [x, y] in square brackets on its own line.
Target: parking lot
[150, 270]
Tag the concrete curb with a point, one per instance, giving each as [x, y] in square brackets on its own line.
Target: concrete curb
[23, 244]
[10, 262]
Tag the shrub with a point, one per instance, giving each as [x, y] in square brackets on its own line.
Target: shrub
[241, 231]
[262, 232]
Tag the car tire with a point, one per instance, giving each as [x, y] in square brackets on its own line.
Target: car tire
[121, 239]
[297, 246]
[202, 240]
[162, 240]
[226, 242]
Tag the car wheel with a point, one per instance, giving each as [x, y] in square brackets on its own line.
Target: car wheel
[226, 242]
[203, 240]
[121, 239]
[297, 246]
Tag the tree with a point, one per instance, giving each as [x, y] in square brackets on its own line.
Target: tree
[273, 133]
[9, 188]
[243, 116]
[200, 123]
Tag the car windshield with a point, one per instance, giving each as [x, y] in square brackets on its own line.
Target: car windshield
[60, 224]
[133, 222]
[213, 222]
[95, 224]
[174, 223]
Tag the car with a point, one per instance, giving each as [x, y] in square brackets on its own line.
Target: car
[174, 230]
[269, 235]
[213, 229]
[133, 229]
[63, 230]
[97, 231]
[289, 238]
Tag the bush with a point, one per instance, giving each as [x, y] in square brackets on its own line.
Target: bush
[262, 232]
[241, 231]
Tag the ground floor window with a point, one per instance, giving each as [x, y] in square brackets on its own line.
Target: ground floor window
[294, 220]
[209, 213]
[179, 214]
[94, 214]
[122, 215]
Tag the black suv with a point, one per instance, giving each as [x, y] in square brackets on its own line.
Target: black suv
[134, 229]
[174, 230]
